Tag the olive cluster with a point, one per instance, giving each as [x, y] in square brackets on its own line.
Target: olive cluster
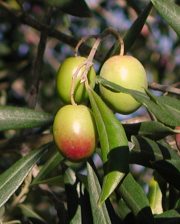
[74, 129]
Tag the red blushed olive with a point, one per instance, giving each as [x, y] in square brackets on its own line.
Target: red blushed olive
[64, 80]
[74, 132]
[127, 72]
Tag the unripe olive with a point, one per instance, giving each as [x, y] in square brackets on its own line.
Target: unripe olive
[64, 80]
[75, 132]
[127, 72]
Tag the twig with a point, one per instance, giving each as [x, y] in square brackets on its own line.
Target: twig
[38, 63]
[137, 119]
[30, 21]
[164, 88]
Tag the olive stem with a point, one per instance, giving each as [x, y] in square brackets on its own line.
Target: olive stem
[102, 36]
[117, 36]
[74, 76]
[82, 40]
[89, 61]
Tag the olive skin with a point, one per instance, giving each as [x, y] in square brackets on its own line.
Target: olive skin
[127, 72]
[64, 80]
[74, 132]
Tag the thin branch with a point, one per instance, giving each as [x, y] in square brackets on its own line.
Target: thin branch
[137, 119]
[38, 63]
[30, 21]
[164, 88]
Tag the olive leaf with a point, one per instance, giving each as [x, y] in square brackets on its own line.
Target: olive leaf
[19, 117]
[170, 12]
[165, 112]
[13, 177]
[114, 145]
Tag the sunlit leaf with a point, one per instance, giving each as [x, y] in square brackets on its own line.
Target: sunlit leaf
[114, 145]
[162, 112]
[170, 12]
[155, 197]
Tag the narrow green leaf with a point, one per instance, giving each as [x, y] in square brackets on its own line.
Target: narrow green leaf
[12, 178]
[114, 145]
[161, 112]
[132, 33]
[170, 12]
[110, 130]
[77, 217]
[100, 214]
[146, 151]
[152, 129]
[169, 104]
[123, 209]
[135, 198]
[50, 165]
[169, 214]
[18, 117]
[76, 8]
[169, 101]
[155, 197]
[58, 180]
[169, 170]
[30, 213]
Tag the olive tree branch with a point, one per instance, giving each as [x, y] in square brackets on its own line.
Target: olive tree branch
[164, 88]
[38, 63]
[26, 19]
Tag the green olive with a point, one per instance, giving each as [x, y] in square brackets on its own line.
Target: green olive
[127, 72]
[64, 80]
